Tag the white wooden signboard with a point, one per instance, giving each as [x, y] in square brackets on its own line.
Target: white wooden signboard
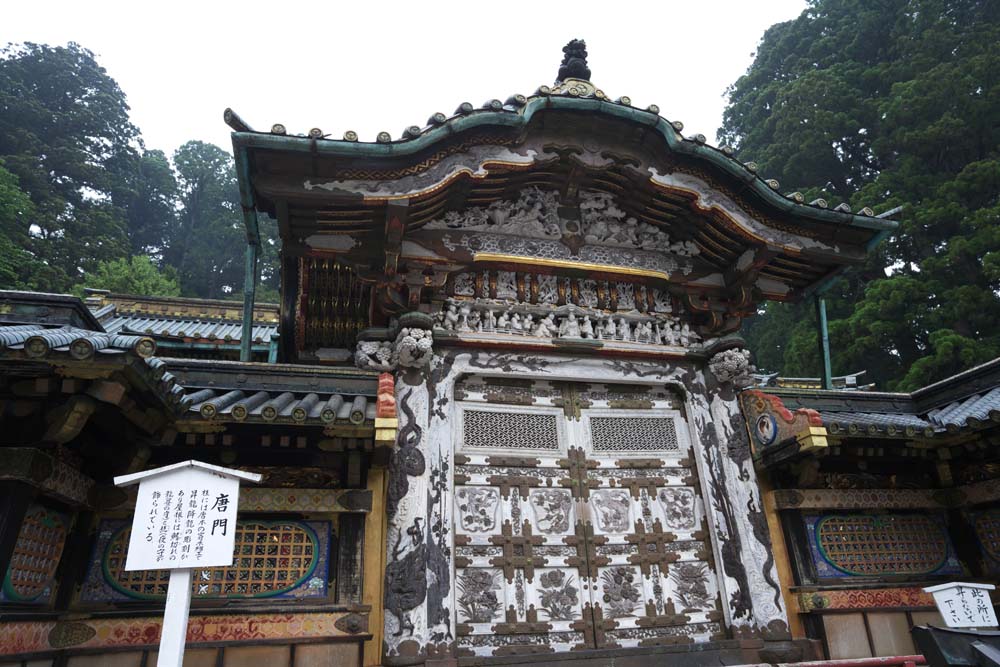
[964, 605]
[185, 517]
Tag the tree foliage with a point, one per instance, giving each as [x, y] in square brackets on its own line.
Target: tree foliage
[84, 202]
[65, 133]
[133, 275]
[886, 104]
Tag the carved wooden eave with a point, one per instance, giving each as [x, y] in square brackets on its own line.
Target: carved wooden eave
[332, 409]
[377, 207]
[956, 418]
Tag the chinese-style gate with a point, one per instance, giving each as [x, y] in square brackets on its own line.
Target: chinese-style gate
[554, 280]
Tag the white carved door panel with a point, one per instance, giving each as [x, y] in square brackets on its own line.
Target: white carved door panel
[651, 582]
[517, 590]
[578, 523]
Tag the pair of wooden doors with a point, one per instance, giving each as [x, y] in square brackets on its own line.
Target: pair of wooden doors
[578, 519]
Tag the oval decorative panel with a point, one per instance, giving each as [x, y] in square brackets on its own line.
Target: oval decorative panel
[271, 558]
[36, 555]
[885, 544]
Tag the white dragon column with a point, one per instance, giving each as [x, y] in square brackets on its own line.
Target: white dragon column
[418, 569]
[751, 591]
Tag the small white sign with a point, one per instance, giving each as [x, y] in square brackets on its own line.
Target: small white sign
[185, 517]
[964, 605]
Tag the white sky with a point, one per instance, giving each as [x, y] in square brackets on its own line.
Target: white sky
[370, 66]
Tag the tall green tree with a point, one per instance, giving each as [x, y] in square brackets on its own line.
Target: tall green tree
[205, 245]
[885, 104]
[151, 207]
[17, 265]
[65, 133]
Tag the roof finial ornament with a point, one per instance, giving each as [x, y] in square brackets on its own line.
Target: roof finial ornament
[574, 64]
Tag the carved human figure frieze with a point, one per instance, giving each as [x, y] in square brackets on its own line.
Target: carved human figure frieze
[534, 213]
[606, 223]
[483, 316]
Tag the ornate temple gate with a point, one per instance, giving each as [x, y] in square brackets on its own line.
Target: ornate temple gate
[579, 520]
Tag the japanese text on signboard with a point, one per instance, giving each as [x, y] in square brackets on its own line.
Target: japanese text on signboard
[187, 519]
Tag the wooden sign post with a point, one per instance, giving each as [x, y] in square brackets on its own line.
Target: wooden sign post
[185, 517]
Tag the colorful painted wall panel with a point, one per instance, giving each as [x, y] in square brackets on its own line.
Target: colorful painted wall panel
[987, 527]
[31, 573]
[274, 559]
[880, 545]
[26, 637]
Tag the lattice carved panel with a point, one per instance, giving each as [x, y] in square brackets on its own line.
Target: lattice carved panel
[502, 429]
[36, 556]
[633, 434]
[876, 545]
[273, 559]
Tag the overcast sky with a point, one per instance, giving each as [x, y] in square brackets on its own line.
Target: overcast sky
[370, 66]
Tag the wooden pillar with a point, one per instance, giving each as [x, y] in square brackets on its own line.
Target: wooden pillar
[373, 593]
[824, 343]
[249, 291]
[782, 562]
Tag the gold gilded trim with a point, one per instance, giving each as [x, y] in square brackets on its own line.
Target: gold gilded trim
[569, 264]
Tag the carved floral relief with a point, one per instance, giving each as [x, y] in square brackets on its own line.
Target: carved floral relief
[691, 585]
[678, 507]
[611, 510]
[478, 601]
[477, 508]
[558, 596]
[551, 509]
[621, 591]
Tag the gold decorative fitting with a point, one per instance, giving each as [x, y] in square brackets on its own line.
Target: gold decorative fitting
[278, 128]
[677, 125]
[568, 264]
[543, 90]
[653, 108]
[700, 138]
[728, 150]
[797, 197]
[867, 211]
[350, 135]
[812, 439]
[751, 166]
[821, 203]
[773, 183]
[600, 94]
[315, 133]
[626, 100]
[412, 131]
[383, 137]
